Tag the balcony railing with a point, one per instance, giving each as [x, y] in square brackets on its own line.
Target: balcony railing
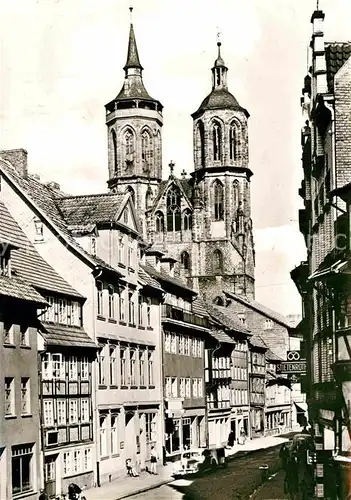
[179, 314]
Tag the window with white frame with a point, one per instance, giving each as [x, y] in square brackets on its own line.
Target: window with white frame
[187, 388]
[167, 341]
[193, 347]
[84, 410]
[132, 366]
[268, 324]
[111, 302]
[67, 466]
[87, 460]
[101, 368]
[25, 395]
[199, 348]
[103, 435]
[9, 396]
[121, 305]
[187, 345]
[22, 468]
[113, 366]
[121, 249]
[140, 310]
[194, 388]
[200, 388]
[114, 434]
[58, 366]
[62, 311]
[61, 412]
[72, 368]
[148, 312]
[142, 374]
[150, 424]
[73, 411]
[150, 367]
[131, 308]
[48, 412]
[100, 297]
[76, 461]
[123, 366]
[130, 252]
[84, 368]
[182, 387]
[181, 341]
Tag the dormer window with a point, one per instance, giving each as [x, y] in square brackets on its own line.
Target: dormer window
[5, 268]
[39, 230]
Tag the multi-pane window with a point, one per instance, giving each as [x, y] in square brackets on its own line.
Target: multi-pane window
[132, 367]
[216, 141]
[268, 324]
[171, 387]
[25, 395]
[121, 305]
[142, 367]
[87, 460]
[167, 341]
[61, 412]
[195, 388]
[232, 142]
[182, 387]
[48, 412]
[67, 463]
[187, 388]
[9, 396]
[100, 303]
[123, 356]
[200, 390]
[173, 209]
[131, 308]
[187, 221]
[73, 411]
[53, 366]
[22, 476]
[76, 461]
[146, 149]
[181, 344]
[173, 343]
[72, 368]
[140, 310]
[62, 311]
[84, 368]
[150, 424]
[85, 410]
[130, 252]
[103, 436]
[113, 374]
[218, 195]
[101, 368]
[114, 434]
[160, 222]
[111, 302]
[150, 367]
[187, 344]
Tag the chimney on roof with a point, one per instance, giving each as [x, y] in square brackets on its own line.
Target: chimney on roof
[17, 158]
[167, 264]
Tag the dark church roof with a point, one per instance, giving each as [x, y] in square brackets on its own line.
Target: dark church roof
[219, 99]
[336, 54]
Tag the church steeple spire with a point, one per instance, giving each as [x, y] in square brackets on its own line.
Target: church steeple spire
[219, 70]
[133, 55]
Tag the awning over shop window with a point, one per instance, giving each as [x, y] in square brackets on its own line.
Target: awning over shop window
[339, 267]
[301, 407]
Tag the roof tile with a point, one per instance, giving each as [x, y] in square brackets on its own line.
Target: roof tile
[223, 316]
[336, 54]
[19, 289]
[66, 336]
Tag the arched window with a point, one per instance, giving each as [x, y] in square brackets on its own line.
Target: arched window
[217, 261]
[128, 147]
[233, 142]
[217, 141]
[146, 151]
[185, 260]
[187, 220]
[114, 150]
[111, 302]
[132, 193]
[236, 193]
[200, 144]
[173, 209]
[100, 305]
[160, 222]
[218, 200]
[148, 198]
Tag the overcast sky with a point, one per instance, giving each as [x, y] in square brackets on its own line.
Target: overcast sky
[62, 60]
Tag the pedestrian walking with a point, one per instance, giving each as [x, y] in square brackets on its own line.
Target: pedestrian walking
[153, 460]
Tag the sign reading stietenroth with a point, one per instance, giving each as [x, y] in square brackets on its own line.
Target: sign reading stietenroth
[294, 363]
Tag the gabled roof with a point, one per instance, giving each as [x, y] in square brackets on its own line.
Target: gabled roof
[27, 263]
[257, 341]
[221, 336]
[223, 316]
[336, 54]
[198, 307]
[148, 280]
[45, 201]
[16, 288]
[90, 209]
[258, 307]
[163, 277]
[65, 336]
[271, 356]
[183, 184]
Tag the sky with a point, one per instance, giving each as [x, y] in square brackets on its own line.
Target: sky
[61, 61]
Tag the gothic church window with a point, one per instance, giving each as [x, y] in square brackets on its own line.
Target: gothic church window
[185, 260]
[218, 200]
[146, 151]
[236, 193]
[200, 144]
[187, 220]
[129, 147]
[173, 209]
[148, 199]
[217, 141]
[217, 261]
[114, 150]
[132, 193]
[233, 142]
[160, 222]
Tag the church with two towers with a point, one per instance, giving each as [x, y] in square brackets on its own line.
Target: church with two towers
[202, 223]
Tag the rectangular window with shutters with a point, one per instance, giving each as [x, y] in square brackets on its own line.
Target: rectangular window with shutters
[72, 368]
[84, 368]
[73, 411]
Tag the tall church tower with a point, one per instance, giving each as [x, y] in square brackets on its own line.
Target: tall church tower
[134, 122]
[224, 248]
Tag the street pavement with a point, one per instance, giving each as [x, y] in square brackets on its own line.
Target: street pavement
[162, 493]
[272, 489]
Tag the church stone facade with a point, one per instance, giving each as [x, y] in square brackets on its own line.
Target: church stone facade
[203, 222]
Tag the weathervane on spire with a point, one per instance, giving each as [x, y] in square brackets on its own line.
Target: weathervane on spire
[219, 43]
[131, 14]
[171, 167]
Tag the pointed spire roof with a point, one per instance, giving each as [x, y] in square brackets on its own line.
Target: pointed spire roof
[219, 61]
[133, 55]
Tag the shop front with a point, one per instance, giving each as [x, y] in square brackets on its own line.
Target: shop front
[184, 429]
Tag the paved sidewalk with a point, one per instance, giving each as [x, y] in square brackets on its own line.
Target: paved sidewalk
[126, 487]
